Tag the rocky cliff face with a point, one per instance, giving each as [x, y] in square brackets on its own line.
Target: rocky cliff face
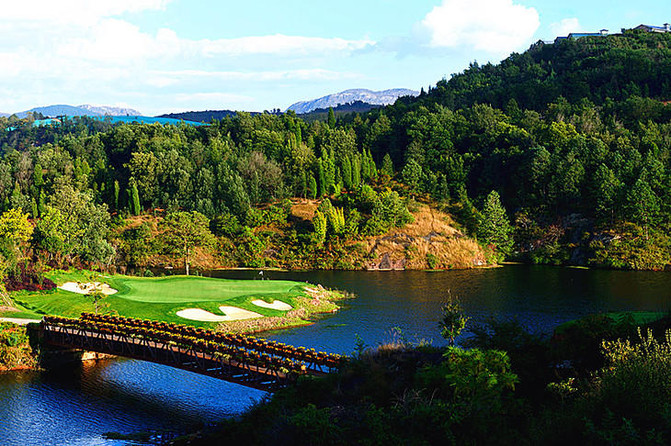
[431, 241]
[384, 97]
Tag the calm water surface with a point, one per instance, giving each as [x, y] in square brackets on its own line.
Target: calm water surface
[76, 406]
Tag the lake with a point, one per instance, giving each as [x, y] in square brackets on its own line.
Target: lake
[76, 406]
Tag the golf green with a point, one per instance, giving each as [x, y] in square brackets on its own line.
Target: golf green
[180, 289]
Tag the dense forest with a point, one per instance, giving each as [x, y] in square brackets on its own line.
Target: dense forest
[557, 155]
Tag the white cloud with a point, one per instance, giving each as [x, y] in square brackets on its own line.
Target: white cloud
[173, 77]
[492, 26]
[566, 26]
[280, 44]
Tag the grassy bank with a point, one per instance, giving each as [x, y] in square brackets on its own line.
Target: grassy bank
[161, 298]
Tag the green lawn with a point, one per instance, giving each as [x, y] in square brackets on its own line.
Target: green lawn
[157, 298]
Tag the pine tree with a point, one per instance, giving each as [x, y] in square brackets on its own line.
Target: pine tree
[331, 118]
[303, 185]
[387, 165]
[116, 194]
[323, 189]
[356, 171]
[372, 168]
[347, 173]
[319, 222]
[312, 185]
[494, 227]
[643, 204]
[135, 200]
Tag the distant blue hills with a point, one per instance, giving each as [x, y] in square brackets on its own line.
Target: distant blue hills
[53, 111]
[113, 114]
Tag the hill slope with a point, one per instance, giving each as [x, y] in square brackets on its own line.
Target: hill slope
[595, 68]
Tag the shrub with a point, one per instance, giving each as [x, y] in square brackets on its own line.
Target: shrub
[28, 277]
[634, 388]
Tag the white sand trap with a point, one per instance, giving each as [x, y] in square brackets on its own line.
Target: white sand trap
[230, 314]
[87, 288]
[276, 305]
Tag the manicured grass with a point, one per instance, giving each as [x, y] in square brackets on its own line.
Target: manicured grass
[159, 298]
[178, 289]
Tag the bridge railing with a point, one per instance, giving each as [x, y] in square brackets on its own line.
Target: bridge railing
[313, 360]
[240, 349]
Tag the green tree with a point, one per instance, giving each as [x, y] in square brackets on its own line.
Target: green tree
[135, 208]
[116, 194]
[312, 186]
[50, 234]
[453, 319]
[356, 170]
[83, 226]
[331, 120]
[323, 189]
[184, 231]
[319, 223]
[347, 173]
[412, 174]
[387, 165]
[643, 204]
[15, 231]
[494, 227]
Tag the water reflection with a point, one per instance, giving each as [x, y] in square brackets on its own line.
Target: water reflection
[77, 405]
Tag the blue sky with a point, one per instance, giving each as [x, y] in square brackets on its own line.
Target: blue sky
[173, 55]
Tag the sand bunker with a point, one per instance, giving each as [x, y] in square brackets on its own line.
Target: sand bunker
[230, 314]
[87, 288]
[276, 305]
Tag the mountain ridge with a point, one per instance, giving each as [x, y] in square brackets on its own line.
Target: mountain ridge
[382, 97]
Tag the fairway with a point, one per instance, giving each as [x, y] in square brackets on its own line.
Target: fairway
[182, 289]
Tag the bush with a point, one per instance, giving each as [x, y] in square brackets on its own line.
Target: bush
[28, 278]
[631, 398]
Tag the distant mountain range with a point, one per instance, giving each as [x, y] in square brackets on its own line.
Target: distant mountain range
[354, 100]
[81, 110]
[384, 97]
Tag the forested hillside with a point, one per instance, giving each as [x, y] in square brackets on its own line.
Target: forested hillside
[574, 136]
[557, 155]
[256, 191]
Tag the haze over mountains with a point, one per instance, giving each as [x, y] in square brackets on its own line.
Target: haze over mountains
[384, 97]
[80, 110]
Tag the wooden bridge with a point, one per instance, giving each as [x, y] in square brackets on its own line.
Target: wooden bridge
[245, 360]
